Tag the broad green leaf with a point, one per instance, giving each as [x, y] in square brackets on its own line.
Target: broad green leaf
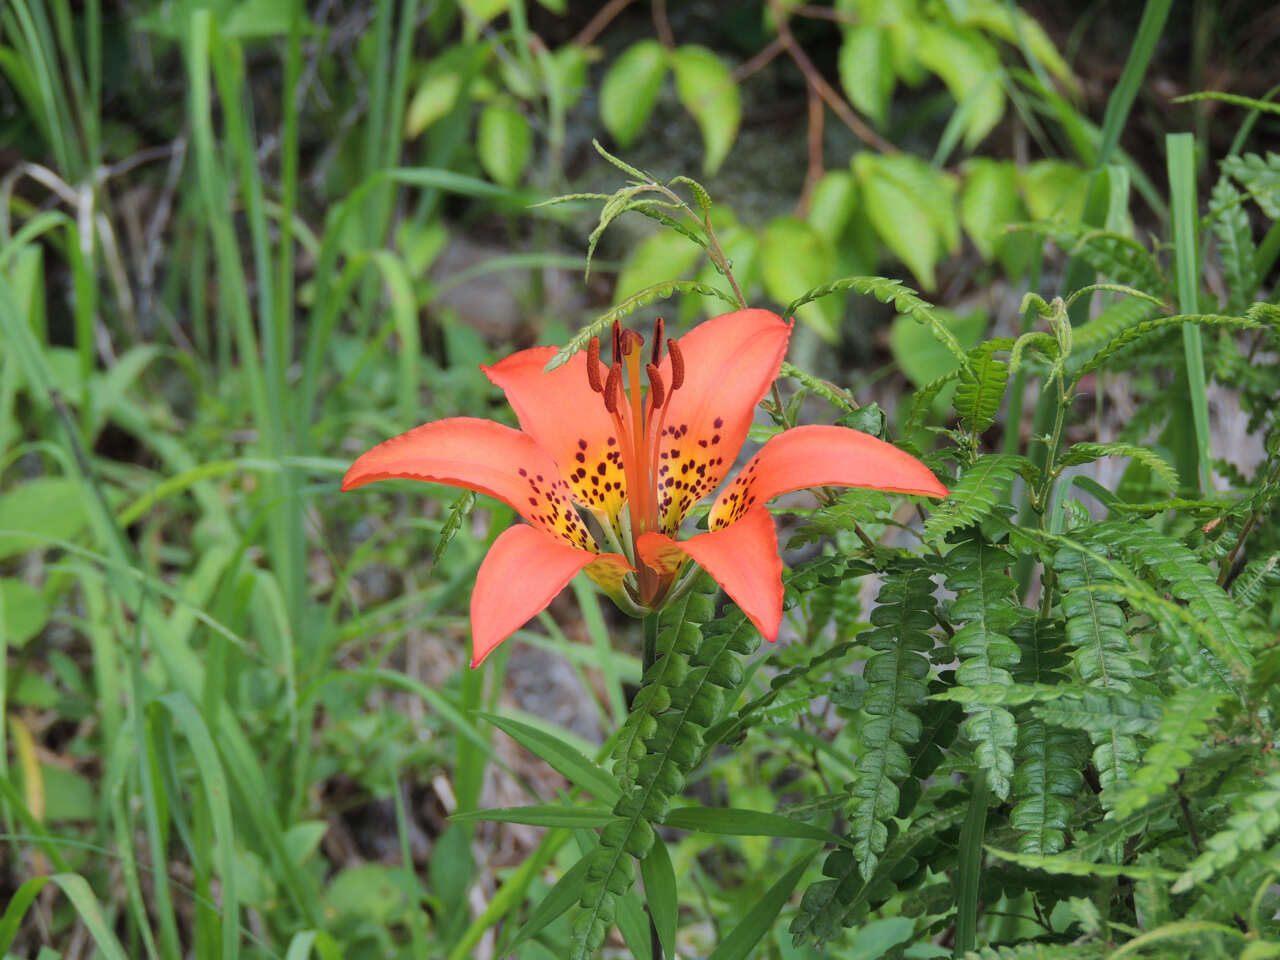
[1018, 28]
[794, 258]
[23, 611]
[630, 89]
[919, 353]
[483, 10]
[832, 203]
[911, 207]
[970, 67]
[503, 142]
[434, 97]
[660, 256]
[371, 893]
[866, 69]
[989, 202]
[68, 795]
[706, 88]
[47, 507]
[1054, 190]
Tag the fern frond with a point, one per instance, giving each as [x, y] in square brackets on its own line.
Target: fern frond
[1132, 335]
[696, 700]
[985, 605]
[1046, 780]
[1040, 951]
[831, 904]
[1120, 258]
[981, 387]
[1189, 579]
[905, 300]
[896, 689]
[983, 487]
[1111, 321]
[1230, 223]
[679, 634]
[1079, 453]
[1179, 734]
[1260, 177]
[1256, 576]
[922, 402]
[1103, 655]
[1247, 830]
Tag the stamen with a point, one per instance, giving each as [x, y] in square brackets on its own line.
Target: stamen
[617, 342]
[593, 365]
[677, 364]
[656, 387]
[657, 341]
[613, 389]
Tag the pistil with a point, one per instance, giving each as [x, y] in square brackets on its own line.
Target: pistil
[639, 436]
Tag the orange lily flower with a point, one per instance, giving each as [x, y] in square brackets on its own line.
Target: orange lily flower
[636, 459]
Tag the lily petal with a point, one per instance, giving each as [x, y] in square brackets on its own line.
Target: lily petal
[522, 573]
[742, 558]
[569, 420]
[729, 363]
[815, 456]
[483, 456]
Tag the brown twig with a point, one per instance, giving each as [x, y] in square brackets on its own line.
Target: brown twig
[758, 62]
[595, 26]
[825, 13]
[662, 26]
[815, 169]
[839, 106]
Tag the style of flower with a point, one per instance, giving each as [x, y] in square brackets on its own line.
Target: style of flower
[632, 446]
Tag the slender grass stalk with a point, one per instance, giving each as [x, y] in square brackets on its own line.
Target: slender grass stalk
[969, 872]
[1196, 465]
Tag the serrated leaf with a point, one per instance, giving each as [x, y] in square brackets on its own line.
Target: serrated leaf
[630, 88]
[1054, 190]
[912, 209]
[705, 86]
[970, 67]
[1256, 820]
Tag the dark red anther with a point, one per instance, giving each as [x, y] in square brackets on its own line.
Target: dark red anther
[617, 342]
[677, 364]
[657, 340]
[613, 388]
[593, 365]
[657, 390]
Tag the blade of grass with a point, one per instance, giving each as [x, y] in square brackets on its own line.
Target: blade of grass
[1195, 465]
[969, 872]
